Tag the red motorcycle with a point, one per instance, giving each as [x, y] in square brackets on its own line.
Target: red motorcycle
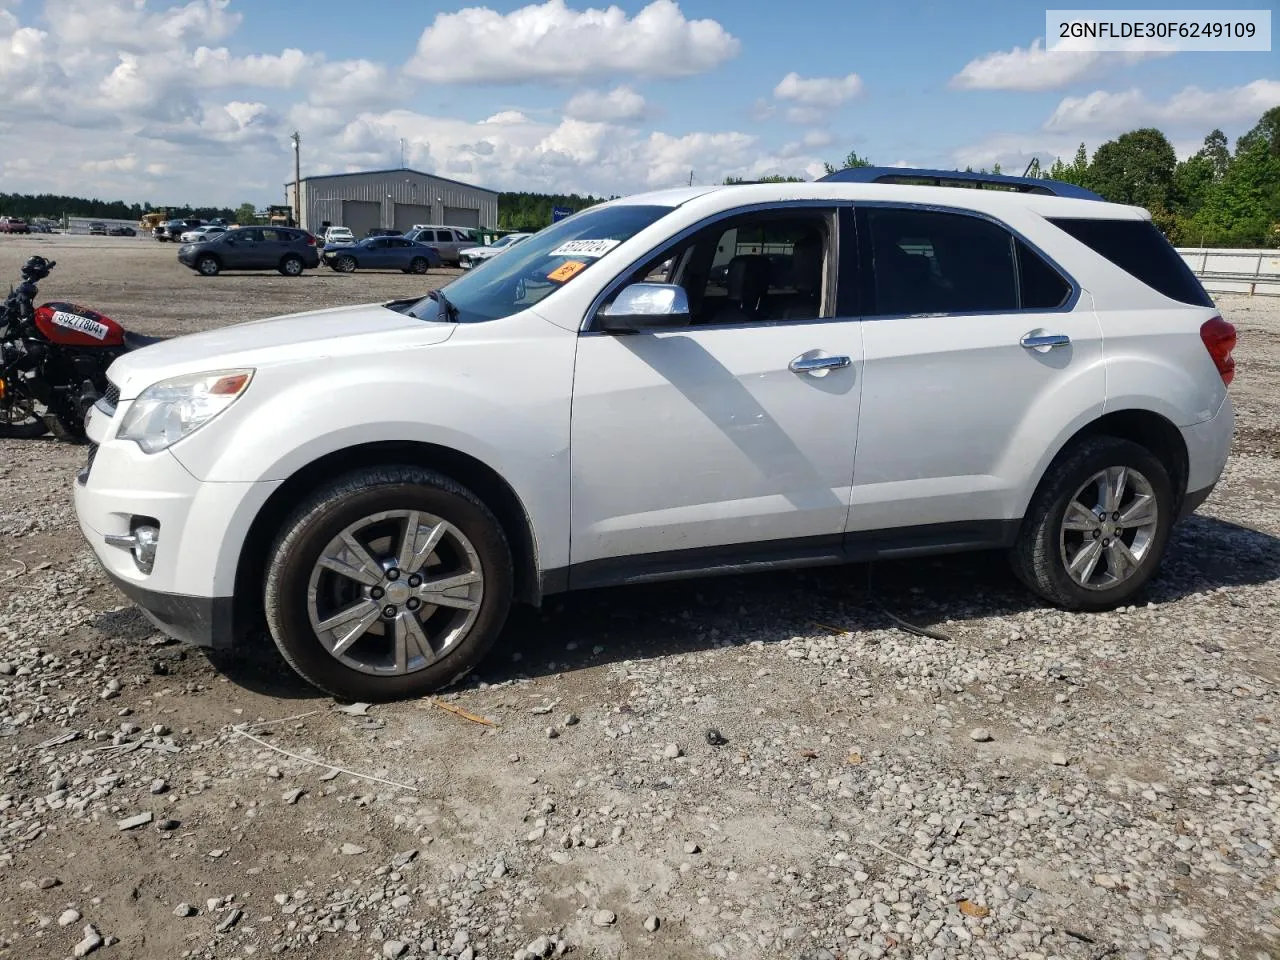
[54, 360]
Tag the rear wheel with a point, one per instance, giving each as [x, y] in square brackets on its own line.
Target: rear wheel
[1098, 526]
[208, 266]
[390, 583]
[291, 266]
[419, 265]
[345, 264]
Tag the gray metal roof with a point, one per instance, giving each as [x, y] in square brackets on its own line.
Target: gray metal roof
[374, 173]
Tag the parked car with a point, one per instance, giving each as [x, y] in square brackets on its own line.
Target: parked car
[173, 230]
[14, 225]
[97, 229]
[384, 232]
[468, 257]
[122, 232]
[200, 234]
[382, 253]
[336, 235]
[448, 240]
[253, 248]
[383, 481]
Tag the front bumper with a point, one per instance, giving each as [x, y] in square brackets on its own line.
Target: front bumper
[189, 593]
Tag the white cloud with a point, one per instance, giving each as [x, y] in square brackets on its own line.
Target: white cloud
[1192, 106]
[122, 164]
[1035, 68]
[818, 91]
[550, 41]
[164, 102]
[618, 105]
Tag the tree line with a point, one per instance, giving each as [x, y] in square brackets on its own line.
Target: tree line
[529, 212]
[53, 206]
[1217, 197]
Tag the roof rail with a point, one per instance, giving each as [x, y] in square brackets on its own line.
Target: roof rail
[959, 178]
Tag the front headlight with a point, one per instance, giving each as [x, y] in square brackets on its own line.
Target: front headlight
[167, 411]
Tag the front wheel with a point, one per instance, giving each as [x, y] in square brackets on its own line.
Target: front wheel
[19, 418]
[208, 266]
[392, 582]
[1098, 525]
[291, 266]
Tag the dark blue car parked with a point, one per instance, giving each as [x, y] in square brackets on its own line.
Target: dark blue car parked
[383, 253]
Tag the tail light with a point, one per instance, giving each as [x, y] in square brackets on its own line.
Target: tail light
[311, 240]
[1219, 339]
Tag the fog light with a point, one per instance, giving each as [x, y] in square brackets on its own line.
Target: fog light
[141, 543]
[144, 547]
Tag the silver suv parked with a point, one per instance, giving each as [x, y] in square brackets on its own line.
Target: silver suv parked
[448, 240]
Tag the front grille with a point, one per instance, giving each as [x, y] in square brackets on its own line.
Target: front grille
[112, 395]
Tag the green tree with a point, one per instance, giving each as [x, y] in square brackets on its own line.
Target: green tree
[1266, 132]
[1244, 208]
[850, 162]
[1136, 167]
[246, 213]
[1216, 151]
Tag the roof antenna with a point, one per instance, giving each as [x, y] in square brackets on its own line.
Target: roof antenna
[1030, 163]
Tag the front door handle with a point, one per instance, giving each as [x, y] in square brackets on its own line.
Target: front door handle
[804, 364]
[1043, 340]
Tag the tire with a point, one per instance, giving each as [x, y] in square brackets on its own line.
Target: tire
[300, 593]
[208, 266]
[419, 265]
[20, 421]
[1044, 548]
[291, 266]
[344, 264]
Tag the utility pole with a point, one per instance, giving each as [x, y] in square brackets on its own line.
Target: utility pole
[691, 178]
[297, 177]
[402, 153]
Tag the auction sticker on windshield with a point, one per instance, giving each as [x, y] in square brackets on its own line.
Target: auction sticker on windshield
[566, 271]
[584, 248]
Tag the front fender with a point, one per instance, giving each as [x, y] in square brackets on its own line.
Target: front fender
[514, 423]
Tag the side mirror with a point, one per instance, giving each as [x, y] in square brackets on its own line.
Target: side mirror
[645, 306]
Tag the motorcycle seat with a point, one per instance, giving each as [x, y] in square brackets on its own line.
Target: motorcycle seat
[136, 341]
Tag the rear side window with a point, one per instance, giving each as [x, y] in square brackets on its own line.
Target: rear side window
[1138, 248]
[929, 262]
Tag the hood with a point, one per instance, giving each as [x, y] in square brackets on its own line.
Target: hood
[298, 337]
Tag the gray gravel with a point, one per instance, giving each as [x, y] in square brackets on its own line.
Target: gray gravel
[755, 767]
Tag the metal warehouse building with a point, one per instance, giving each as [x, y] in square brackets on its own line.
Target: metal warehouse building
[391, 198]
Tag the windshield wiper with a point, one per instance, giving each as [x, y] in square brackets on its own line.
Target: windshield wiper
[448, 312]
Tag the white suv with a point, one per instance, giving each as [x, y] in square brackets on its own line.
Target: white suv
[702, 380]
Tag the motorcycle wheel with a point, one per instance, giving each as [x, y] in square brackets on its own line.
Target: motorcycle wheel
[19, 419]
[64, 428]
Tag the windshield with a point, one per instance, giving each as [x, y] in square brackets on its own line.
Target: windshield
[547, 260]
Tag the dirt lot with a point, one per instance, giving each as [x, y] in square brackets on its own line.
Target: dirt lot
[748, 767]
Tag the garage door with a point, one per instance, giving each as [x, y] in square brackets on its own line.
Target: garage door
[461, 217]
[407, 214]
[361, 216]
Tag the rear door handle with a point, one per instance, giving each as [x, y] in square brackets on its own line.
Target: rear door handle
[1039, 341]
[803, 364]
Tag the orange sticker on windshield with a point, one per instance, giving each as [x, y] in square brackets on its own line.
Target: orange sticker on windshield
[566, 271]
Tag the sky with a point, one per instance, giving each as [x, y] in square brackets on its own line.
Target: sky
[174, 101]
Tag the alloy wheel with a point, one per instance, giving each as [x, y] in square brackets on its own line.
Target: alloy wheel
[394, 592]
[1109, 528]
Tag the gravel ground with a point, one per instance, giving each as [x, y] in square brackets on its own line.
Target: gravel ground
[763, 766]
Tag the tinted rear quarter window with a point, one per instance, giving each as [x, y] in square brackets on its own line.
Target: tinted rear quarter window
[1139, 249]
[1040, 285]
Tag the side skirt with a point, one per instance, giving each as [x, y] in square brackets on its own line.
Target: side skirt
[856, 547]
